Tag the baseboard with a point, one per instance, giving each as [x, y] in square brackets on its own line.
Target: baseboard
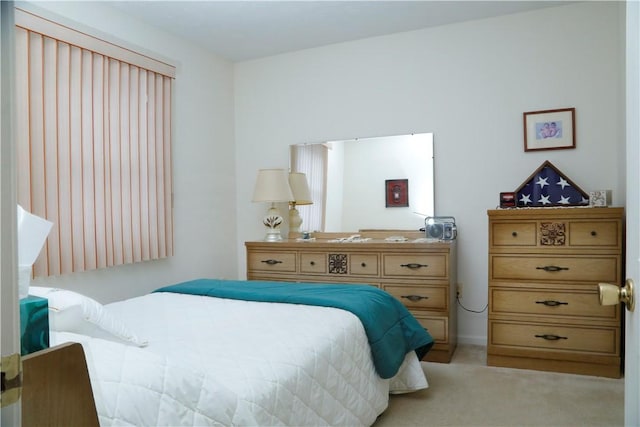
[472, 340]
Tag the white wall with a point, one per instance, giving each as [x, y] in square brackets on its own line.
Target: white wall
[467, 83]
[203, 162]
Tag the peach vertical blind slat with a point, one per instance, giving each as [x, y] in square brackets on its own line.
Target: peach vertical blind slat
[94, 150]
[166, 143]
[99, 160]
[75, 172]
[134, 155]
[64, 225]
[311, 159]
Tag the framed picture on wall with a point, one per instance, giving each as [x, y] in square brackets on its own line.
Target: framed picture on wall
[397, 192]
[549, 129]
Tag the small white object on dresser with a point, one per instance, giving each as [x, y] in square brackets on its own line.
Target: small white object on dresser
[599, 198]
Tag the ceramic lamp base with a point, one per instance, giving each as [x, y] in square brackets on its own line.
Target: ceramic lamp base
[272, 222]
[295, 221]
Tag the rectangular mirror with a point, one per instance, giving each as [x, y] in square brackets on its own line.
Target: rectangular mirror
[351, 188]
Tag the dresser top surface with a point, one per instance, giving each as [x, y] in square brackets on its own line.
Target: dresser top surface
[370, 244]
[370, 238]
[557, 212]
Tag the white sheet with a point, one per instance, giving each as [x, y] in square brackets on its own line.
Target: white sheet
[218, 361]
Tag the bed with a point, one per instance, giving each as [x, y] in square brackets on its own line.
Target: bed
[175, 358]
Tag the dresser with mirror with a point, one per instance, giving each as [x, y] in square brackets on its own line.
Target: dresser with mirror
[347, 181]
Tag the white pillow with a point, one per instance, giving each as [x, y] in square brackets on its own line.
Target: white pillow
[72, 312]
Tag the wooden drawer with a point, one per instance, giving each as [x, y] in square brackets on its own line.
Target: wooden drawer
[550, 303]
[513, 234]
[364, 264]
[558, 337]
[594, 233]
[272, 261]
[555, 269]
[313, 262]
[415, 265]
[437, 327]
[414, 297]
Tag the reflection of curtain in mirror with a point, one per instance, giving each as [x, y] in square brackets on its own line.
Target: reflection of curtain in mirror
[311, 159]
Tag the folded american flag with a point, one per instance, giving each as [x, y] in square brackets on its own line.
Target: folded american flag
[550, 187]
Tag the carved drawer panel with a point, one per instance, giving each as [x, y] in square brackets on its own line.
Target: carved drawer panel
[554, 337]
[338, 263]
[555, 303]
[272, 261]
[415, 265]
[432, 298]
[313, 262]
[557, 269]
[364, 264]
[552, 234]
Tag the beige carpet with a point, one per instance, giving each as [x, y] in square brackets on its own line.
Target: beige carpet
[466, 392]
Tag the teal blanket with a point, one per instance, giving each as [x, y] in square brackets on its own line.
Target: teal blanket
[391, 330]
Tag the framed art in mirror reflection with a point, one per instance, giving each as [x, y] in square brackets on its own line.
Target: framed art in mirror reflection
[397, 193]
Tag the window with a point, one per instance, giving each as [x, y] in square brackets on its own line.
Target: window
[94, 147]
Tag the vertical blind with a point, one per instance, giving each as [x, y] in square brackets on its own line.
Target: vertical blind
[94, 147]
[311, 159]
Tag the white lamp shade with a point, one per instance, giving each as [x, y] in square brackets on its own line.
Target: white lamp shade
[300, 188]
[32, 235]
[272, 186]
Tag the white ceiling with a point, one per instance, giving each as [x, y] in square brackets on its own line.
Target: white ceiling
[244, 30]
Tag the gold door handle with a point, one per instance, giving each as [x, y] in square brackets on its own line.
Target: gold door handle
[612, 294]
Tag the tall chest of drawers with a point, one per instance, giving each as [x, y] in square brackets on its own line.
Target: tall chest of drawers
[544, 268]
[421, 275]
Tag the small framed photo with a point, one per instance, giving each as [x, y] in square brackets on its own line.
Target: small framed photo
[508, 199]
[549, 129]
[397, 193]
[599, 198]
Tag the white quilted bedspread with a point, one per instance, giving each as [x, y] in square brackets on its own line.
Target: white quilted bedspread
[225, 362]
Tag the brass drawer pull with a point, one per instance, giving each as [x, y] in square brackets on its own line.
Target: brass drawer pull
[271, 261]
[413, 265]
[551, 303]
[414, 298]
[549, 337]
[552, 268]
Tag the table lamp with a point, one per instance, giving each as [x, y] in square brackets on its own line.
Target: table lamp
[272, 186]
[301, 196]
